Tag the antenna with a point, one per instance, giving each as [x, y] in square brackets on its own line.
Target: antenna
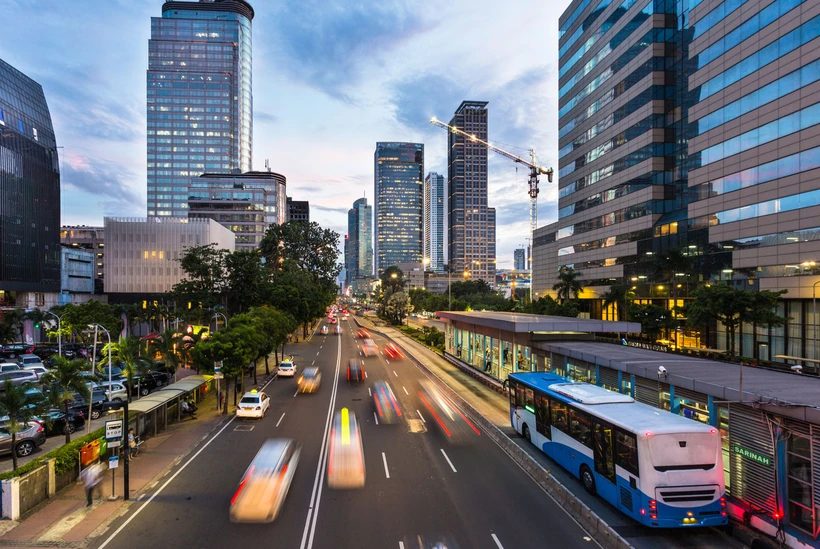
[267, 164]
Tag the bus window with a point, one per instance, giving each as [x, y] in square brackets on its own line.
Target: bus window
[520, 396]
[530, 403]
[602, 451]
[513, 390]
[542, 415]
[626, 451]
[579, 427]
[559, 415]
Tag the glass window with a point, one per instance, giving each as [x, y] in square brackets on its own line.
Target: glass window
[542, 415]
[558, 411]
[799, 471]
[530, 402]
[580, 427]
[626, 451]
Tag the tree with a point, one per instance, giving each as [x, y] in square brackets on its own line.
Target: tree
[14, 319]
[20, 406]
[312, 248]
[77, 318]
[619, 295]
[168, 344]
[390, 283]
[247, 281]
[65, 379]
[128, 353]
[205, 280]
[275, 327]
[398, 307]
[674, 264]
[568, 286]
[547, 305]
[653, 318]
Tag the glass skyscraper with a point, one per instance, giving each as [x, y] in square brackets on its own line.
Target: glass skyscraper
[398, 199]
[29, 192]
[199, 101]
[359, 242]
[434, 221]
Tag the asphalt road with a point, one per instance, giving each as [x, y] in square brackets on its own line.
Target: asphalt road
[418, 486]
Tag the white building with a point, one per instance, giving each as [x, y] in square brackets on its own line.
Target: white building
[434, 221]
[142, 254]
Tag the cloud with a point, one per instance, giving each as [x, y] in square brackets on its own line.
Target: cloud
[264, 117]
[417, 99]
[106, 181]
[331, 209]
[326, 44]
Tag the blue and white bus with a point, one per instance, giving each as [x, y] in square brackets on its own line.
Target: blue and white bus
[661, 469]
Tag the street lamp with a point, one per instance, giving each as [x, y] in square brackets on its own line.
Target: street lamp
[217, 314]
[108, 335]
[59, 332]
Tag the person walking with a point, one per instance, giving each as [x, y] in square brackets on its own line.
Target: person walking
[91, 477]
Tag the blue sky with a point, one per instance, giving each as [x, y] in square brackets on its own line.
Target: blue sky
[330, 79]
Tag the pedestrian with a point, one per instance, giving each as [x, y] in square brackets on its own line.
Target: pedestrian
[91, 477]
[192, 407]
[133, 449]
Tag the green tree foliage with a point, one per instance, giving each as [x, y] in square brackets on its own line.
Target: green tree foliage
[8, 331]
[77, 318]
[247, 280]
[275, 327]
[13, 324]
[424, 300]
[392, 284]
[568, 285]
[205, 278]
[20, 406]
[312, 248]
[547, 305]
[127, 352]
[674, 267]
[64, 380]
[398, 307]
[619, 295]
[168, 345]
[653, 318]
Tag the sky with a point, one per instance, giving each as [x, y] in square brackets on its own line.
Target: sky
[330, 79]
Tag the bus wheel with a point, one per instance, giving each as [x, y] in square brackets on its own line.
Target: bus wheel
[526, 433]
[588, 480]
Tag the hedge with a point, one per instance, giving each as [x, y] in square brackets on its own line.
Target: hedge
[66, 456]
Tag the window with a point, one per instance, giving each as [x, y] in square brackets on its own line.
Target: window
[558, 411]
[542, 415]
[529, 404]
[626, 451]
[602, 451]
[513, 393]
[798, 455]
[580, 427]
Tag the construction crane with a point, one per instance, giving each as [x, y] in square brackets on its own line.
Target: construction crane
[535, 171]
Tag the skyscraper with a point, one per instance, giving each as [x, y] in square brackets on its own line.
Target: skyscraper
[298, 210]
[359, 242]
[398, 199]
[471, 224]
[200, 105]
[519, 259]
[29, 193]
[434, 221]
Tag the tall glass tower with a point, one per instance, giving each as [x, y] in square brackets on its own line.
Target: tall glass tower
[200, 105]
[359, 259]
[434, 221]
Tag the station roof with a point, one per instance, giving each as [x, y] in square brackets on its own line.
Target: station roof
[527, 323]
[167, 394]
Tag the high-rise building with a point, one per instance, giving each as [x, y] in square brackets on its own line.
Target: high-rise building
[398, 200]
[359, 242]
[689, 155]
[29, 194]
[520, 259]
[200, 105]
[471, 224]
[246, 203]
[434, 221]
[298, 210]
[92, 239]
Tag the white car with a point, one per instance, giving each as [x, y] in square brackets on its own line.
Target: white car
[253, 404]
[337, 330]
[324, 330]
[39, 370]
[286, 369]
[115, 392]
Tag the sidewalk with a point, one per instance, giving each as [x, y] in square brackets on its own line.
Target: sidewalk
[65, 521]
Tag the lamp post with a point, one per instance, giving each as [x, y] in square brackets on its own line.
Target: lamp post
[59, 332]
[217, 314]
[108, 335]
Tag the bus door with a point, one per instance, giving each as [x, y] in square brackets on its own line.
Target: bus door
[602, 451]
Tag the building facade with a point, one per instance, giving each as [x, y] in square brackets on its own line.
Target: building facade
[413, 273]
[29, 193]
[77, 275]
[200, 105]
[398, 201]
[91, 239]
[298, 210]
[470, 222]
[143, 254]
[359, 242]
[434, 221]
[519, 259]
[245, 203]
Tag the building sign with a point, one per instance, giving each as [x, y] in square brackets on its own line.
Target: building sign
[754, 456]
[647, 346]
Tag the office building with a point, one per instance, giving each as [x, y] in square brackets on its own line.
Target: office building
[29, 194]
[143, 254]
[471, 224]
[92, 239]
[359, 242]
[77, 276]
[245, 203]
[200, 106]
[519, 259]
[398, 201]
[413, 274]
[434, 221]
[298, 210]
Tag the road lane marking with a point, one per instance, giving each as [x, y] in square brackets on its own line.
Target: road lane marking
[317, 353]
[296, 393]
[395, 374]
[376, 418]
[312, 363]
[365, 375]
[405, 390]
[384, 459]
[280, 419]
[495, 539]
[448, 461]
[421, 416]
[387, 361]
[369, 392]
[401, 545]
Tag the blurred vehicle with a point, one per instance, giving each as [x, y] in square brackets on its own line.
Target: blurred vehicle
[345, 461]
[355, 370]
[29, 360]
[324, 329]
[160, 378]
[17, 378]
[392, 351]
[337, 330]
[332, 320]
[369, 348]
[15, 349]
[451, 421]
[309, 380]
[286, 368]
[115, 391]
[58, 422]
[9, 367]
[74, 350]
[28, 439]
[253, 404]
[363, 334]
[265, 484]
[387, 407]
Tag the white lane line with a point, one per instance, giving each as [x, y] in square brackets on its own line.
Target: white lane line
[401, 545]
[376, 418]
[296, 393]
[405, 390]
[365, 375]
[369, 392]
[170, 480]
[395, 374]
[312, 363]
[448, 461]
[384, 459]
[495, 539]
[280, 419]
[387, 361]
[421, 416]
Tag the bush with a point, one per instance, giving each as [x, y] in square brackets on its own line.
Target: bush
[66, 456]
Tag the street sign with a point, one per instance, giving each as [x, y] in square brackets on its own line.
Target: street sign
[113, 462]
[115, 444]
[113, 429]
[218, 370]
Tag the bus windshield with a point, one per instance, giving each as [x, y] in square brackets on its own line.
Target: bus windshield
[684, 451]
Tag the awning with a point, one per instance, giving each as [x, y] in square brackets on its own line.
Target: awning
[167, 394]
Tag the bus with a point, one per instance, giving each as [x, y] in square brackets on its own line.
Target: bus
[661, 469]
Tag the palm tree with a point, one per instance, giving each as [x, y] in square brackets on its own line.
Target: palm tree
[20, 405]
[65, 379]
[168, 345]
[568, 286]
[619, 295]
[127, 352]
[15, 318]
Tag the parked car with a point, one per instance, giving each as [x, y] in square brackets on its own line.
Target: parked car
[116, 371]
[9, 367]
[142, 385]
[116, 392]
[29, 360]
[32, 436]
[39, 370]
[16, 349]
[79, 404]
[161, 378]
[74, 350]
[17, 378]
[58, 422]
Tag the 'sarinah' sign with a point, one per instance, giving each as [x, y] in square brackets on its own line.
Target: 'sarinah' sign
[754, 456]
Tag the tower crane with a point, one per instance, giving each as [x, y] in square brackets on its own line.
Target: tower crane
[535, 171]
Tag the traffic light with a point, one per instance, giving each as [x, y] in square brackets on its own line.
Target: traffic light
[37, 325]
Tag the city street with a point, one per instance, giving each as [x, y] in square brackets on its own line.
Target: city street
[418, 486]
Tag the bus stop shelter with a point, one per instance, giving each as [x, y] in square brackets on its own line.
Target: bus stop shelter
[153, 413]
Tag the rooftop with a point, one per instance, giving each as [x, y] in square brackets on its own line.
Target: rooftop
[527, 323]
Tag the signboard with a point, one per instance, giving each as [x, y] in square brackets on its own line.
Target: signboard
[113, 429]
[754, 456]
[115, 444]
[218, 370]
[113, 462]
